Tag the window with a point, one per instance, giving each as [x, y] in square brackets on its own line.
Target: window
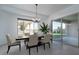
[25, 26]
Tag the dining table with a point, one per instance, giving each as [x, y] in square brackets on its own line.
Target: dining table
[26, 39]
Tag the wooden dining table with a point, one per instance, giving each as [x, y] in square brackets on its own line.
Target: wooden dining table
[26, 39]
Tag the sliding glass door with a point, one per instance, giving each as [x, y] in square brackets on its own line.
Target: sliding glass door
[56, 27]
[66, 30]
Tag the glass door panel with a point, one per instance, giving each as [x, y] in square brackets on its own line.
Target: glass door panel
[56, 30]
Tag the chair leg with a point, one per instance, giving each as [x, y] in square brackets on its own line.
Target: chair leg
[37, 49]
[51, 40]
[25, 43]
[8, 49]
[49, 45]
[44, 46]
[26, 47]
[29, 51]
[19, 47]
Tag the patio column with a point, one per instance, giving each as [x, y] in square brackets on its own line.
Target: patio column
[51, 25]
[61, 32]
[78, 30]
[52, 28]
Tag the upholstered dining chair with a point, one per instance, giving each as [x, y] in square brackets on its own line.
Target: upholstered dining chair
[11, 41]
[51, 35]
[27, 34]
[46, 40]
[33, 42]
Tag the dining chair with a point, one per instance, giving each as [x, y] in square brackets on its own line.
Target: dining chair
[27, 34]
[33, 42]
[46, 40]
[51, 36]
[11, 41]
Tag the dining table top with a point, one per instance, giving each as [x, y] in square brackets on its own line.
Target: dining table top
[27, 38]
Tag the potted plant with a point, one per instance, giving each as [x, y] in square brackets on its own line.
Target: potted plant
[44, 28]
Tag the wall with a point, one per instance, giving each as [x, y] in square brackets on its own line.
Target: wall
[7, 25]
[3, 29]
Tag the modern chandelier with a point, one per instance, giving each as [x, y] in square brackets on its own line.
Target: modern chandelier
[36, 19]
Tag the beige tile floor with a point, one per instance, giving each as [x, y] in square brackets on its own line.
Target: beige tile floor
[56, 49]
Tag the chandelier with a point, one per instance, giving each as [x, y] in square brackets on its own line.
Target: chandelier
[36, 19]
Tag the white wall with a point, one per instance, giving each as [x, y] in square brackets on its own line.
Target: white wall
[7, 25]
[3, 29]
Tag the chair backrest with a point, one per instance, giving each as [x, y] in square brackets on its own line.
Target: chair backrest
[47, 38]
[10, 39]
[27, 34]
[50, 35]
[33, 40]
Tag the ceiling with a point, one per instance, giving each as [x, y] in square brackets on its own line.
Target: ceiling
[44, 9]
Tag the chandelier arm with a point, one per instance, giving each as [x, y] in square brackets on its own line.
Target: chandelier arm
[36, 9]
[36, 19]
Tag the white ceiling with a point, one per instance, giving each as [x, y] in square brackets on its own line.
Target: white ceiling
[44, 9]
[29, 9]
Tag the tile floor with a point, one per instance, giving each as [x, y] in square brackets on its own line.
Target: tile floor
[56, 49]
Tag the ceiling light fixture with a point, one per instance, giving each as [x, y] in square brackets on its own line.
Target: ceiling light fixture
[36, 19]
